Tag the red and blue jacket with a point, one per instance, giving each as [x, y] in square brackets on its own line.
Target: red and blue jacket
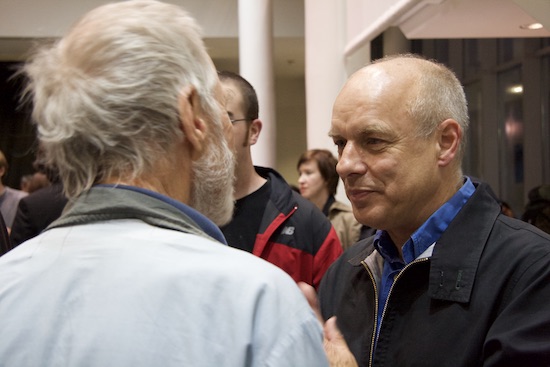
[294, 234]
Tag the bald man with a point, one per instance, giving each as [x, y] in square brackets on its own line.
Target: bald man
[447, 280]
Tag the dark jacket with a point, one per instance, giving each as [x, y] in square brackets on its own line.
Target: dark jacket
[294, 234]
[36, 211]
[5, 243]
[481, 299]
[537, 210]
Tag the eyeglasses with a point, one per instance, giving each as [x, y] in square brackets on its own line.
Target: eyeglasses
[237, 120]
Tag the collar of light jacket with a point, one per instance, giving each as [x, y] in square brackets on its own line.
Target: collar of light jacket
[111, 202]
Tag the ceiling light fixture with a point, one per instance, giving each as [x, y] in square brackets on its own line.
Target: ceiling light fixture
[515, 89]
[531, 26]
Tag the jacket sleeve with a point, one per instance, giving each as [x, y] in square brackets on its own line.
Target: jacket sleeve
[22, 228]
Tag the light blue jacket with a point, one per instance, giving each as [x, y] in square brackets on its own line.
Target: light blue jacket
[98, 291]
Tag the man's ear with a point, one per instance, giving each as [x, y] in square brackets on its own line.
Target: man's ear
[449, 134]
[193, 127]
[254, 131]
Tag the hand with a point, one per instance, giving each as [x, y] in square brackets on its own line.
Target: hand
[336, 348]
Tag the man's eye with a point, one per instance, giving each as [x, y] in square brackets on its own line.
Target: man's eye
[374, 141]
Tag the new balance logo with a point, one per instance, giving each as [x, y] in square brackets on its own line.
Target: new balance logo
[288, 231]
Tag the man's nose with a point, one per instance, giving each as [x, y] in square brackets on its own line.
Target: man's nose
[349, 161]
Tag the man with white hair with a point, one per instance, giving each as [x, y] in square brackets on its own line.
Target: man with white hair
[129, 108]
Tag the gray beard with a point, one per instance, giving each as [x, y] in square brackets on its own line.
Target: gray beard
[214, 175]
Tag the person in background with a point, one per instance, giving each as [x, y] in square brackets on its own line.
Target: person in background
[506, 209]
[448, 280]
[318, 181]
[5, 243]
[271, 220]
[25, 182]
[41, 207]
[130, 110]
[39, 181]
[9, 197]
[537, 210]
[33, 182]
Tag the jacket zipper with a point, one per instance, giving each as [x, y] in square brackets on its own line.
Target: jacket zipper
[375, 311]
[387, 299]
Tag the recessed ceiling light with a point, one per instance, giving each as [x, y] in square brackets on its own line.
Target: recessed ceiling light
[531, 26]
[515, 89]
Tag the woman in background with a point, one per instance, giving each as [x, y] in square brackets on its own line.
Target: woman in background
[317, 182]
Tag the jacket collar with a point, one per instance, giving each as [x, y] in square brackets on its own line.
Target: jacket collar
[102, 203]
[281, 193]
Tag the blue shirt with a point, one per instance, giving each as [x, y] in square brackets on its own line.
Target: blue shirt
[418, 243]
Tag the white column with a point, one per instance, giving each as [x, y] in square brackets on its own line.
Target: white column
[256, 66]
[325, 72]
[325, 66]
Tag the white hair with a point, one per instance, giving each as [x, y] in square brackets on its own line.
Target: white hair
[106, 95]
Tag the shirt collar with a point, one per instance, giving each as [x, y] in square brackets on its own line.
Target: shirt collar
[429, 232]
[202, 221]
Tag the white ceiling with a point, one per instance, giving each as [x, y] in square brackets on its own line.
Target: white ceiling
[475, 19]
[417, 19]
